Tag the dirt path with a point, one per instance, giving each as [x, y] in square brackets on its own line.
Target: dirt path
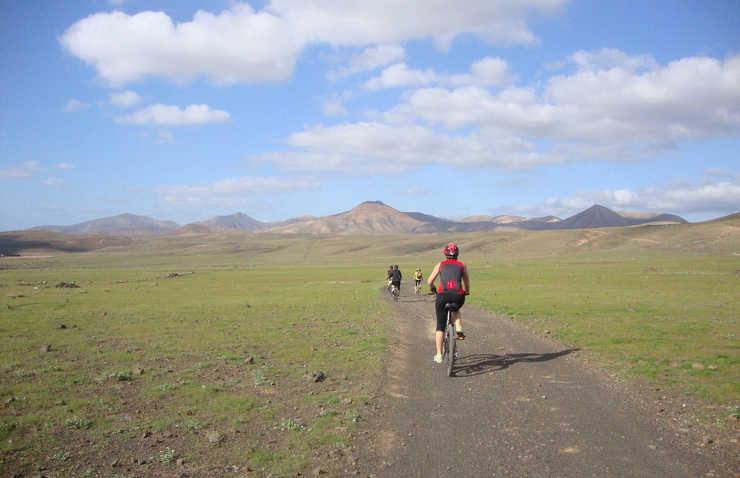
[518, 405]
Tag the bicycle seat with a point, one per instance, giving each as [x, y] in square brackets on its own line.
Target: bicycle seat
[452, 306]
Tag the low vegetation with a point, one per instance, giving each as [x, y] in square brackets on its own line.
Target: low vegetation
[235, 352]
[215, 369]
[670, 319]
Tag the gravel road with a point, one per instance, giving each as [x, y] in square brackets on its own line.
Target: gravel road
[517, 405]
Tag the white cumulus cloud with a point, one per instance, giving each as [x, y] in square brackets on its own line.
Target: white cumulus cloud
[243, 45]
[238, 45]
[400, 76]
[358, 22]
[616, 112]
[486, 72]
[606, 58]
[376, 147]
[168, 115]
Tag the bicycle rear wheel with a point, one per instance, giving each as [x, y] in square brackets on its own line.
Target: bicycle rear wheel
[452, 341]
[445, 348]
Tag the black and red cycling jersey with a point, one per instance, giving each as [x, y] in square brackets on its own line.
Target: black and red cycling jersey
[450, 276]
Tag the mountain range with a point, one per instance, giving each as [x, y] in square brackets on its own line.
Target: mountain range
[371, 217]
[121, 225]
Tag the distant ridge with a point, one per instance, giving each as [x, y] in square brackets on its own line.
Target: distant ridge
[375, 217]
[239, 221]
[120, 225]
[434, 224]
[502, 219]
[729, 218]
[370, 217]
[594, 217]
[600, 216]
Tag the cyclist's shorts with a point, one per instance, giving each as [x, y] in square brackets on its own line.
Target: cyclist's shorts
[397, 284]
[418, 281]
[442, 299]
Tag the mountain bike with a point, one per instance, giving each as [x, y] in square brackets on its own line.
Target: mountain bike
[417, 287]
[450, 338]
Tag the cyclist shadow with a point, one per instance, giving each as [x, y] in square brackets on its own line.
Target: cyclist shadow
[477, 364]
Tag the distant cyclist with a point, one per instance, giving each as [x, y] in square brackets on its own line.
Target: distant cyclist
[452, 275]
[389, 276]
[418, 276]
[396, 278]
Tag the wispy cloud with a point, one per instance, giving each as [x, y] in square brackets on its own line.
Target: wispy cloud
[64, 165]
[717, 172]
[75, 105]
[53, 181]
[334, 107]
[125, 99]
[165, 137]
[415, 191]
[168, 115]
[20, 170]
[369, 59]
[231, 191]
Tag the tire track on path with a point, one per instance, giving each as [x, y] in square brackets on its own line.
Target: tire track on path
[517, 405]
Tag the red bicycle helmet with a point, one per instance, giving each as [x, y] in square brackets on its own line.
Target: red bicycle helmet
[451, 250]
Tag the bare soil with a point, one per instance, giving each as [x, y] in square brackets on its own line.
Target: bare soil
[520, 404]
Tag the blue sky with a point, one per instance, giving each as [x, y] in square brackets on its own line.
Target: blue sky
[185, 110]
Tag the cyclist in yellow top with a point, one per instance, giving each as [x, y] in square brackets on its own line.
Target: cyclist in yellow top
[418, 276]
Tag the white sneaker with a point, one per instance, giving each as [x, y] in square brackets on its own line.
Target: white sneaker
[438, 358]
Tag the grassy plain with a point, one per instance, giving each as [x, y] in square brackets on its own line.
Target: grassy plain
[213, 367]
[671, 319]
[151, 369]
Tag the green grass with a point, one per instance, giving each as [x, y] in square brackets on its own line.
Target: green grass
[651, 315]
[143, 353]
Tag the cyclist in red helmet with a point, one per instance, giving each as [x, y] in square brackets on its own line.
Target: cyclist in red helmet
[452, 276]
